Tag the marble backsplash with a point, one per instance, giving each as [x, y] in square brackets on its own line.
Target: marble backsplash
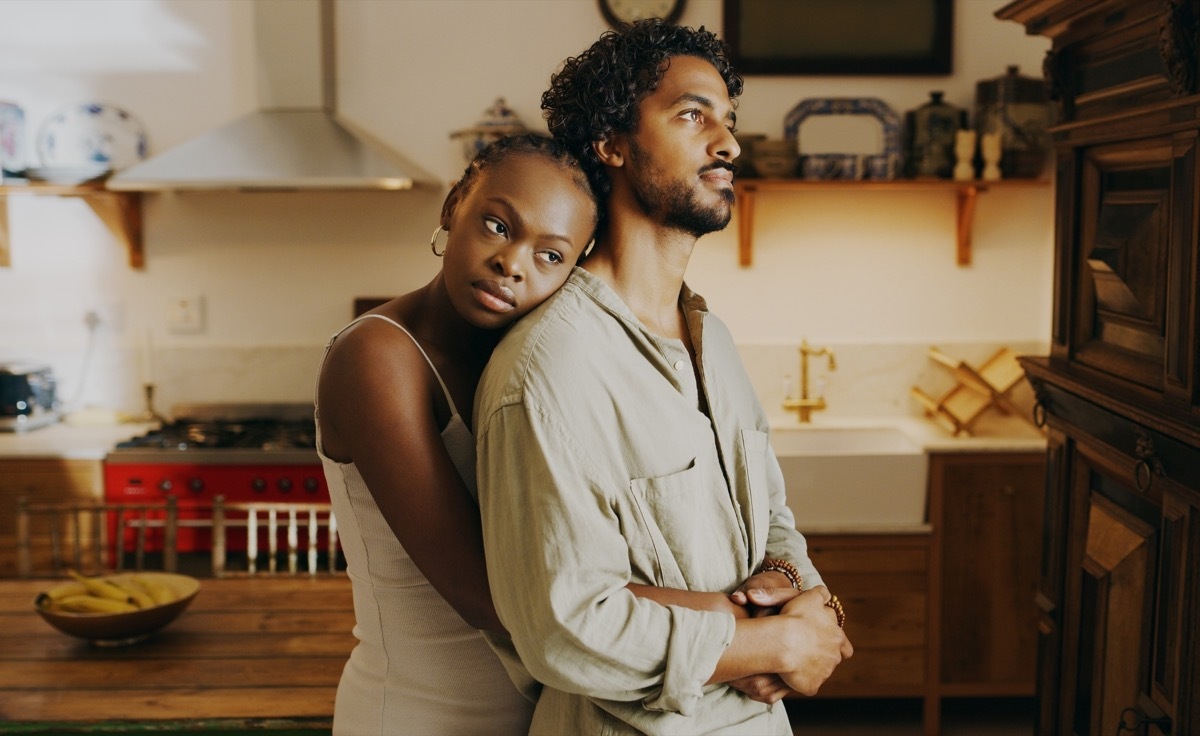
[869, 380]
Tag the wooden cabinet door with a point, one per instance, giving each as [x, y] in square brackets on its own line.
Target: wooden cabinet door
[1121, 306]
[1109, 592]
[991, 537]
[1130, 275]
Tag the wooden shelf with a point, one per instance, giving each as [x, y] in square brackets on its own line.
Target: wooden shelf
[965, 192]
[121, 212]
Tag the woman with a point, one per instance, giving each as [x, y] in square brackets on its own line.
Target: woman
[394, 402]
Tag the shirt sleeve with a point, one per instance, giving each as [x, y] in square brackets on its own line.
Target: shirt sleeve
[784, 541]
[558, 565]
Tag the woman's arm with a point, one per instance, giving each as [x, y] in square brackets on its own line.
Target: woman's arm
[695, 600]
[377, 396]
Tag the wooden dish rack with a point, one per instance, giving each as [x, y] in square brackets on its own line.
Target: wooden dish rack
[975, 390]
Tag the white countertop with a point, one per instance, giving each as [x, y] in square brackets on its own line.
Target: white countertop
[994, 433]
[62, 440]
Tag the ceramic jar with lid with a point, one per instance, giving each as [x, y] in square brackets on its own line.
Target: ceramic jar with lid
[498, 121]
[775, 158]
[931, 130]
[1016, 107]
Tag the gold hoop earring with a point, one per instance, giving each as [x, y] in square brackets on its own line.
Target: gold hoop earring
[433, 241]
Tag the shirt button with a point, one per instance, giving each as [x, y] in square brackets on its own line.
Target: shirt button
[679, 365]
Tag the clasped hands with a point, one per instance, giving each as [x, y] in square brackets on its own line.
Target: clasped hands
[817, 642]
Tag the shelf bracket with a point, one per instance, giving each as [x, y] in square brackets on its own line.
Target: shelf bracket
[966, 195]
[5, 248]
[745, 214]
[121, 212]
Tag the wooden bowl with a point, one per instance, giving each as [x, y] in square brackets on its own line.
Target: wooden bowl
[128, 627]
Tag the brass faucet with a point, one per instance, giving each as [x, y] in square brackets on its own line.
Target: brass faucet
[805, 406]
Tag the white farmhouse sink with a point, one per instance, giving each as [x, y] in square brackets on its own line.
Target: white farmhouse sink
[850, 478]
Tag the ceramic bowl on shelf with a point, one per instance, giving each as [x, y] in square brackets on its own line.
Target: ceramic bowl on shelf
[91, 134]
[67, 175]
[124, 627]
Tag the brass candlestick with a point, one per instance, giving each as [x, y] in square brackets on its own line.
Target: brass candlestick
[149, 414]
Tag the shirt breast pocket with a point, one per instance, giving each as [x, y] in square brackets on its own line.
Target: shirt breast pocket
[754, 492]
[667, 525]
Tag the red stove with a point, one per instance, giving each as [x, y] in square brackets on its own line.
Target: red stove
[244, 452]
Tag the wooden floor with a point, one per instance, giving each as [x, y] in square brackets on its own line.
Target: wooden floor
[967, 717]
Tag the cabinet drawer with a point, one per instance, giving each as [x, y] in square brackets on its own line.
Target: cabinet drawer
[1111, 60]
[1143, 458]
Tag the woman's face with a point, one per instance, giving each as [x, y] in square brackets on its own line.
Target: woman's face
[514, 239]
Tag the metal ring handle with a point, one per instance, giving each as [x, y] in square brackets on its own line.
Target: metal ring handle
[1138, 469]
[1039, 415]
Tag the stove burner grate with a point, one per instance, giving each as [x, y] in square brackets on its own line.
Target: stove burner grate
[262, 434]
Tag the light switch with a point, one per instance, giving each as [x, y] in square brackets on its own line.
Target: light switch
[185, 315]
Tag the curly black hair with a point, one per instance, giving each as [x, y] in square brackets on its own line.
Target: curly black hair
[515, 145]
[596, 94]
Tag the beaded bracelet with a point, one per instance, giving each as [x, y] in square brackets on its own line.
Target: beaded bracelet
[788, 570]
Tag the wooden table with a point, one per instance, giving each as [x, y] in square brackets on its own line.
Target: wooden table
[249, 654]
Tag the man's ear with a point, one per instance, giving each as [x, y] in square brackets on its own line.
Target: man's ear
[610, 151]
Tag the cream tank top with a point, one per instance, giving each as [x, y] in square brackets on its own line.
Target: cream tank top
[418, 668]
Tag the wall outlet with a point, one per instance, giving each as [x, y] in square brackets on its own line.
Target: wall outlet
[185, 315]
[108, 316]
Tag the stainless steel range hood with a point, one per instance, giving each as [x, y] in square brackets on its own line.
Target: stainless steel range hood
[295, 140]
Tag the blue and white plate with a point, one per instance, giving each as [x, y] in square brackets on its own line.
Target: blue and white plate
[91, 134]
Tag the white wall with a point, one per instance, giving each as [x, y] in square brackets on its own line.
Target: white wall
[279, 271]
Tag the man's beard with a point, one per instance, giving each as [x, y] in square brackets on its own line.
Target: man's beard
[678, 205]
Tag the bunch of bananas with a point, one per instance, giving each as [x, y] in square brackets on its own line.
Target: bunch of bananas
[106, 595]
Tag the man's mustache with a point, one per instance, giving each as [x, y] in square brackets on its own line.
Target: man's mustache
[719, 165]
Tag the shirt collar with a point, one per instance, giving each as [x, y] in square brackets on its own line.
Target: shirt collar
[603, 294]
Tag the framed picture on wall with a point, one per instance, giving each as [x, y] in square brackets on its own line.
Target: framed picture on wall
[840, 36]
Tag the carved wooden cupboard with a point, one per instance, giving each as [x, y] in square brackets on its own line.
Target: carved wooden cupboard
[1119, 587]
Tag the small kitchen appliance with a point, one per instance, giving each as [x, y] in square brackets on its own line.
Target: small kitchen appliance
[244, 452]
[27, 396]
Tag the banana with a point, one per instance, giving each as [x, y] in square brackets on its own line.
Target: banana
[102, 588]
[159, 592]
[140, 596]
[91, 604]
[61, 591]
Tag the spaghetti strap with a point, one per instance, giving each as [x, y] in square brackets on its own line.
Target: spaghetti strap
[402, 328]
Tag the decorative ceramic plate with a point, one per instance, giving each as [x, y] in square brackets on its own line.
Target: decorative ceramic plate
[12, 138]
[89, 134]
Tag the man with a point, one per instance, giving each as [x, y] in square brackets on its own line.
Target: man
[620, 441]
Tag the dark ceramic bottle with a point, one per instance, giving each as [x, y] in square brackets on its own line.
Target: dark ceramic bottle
[1015, 107]
[931, 130]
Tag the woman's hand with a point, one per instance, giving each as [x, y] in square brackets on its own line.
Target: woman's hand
[763, 601]
[764, 688]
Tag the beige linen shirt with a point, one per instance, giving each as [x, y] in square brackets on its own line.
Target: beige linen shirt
[598, 467]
